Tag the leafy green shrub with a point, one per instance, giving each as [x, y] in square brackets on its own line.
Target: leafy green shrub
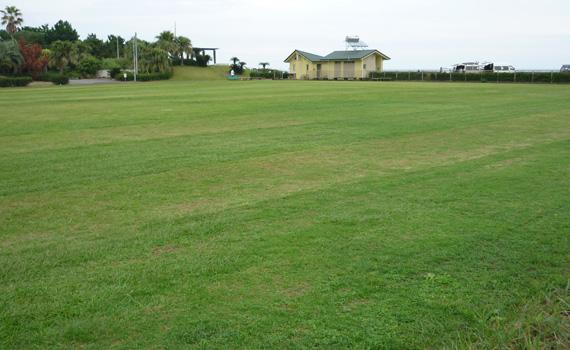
[374, 75]
[443, 76]
[48, 76]
[60, 79]
[562, 77]
[505, 77]
[489, 77]
[114, 65]
[120, 76]
[266, 74]
[416, 76]
[402, 76]
[391, 75]
[114, 71]
[14, 81]
[154, 76]
[458, 77]
[89, 66]
[56, 78]
[110, 63]
[483, 77]
[473, 77]
[428, 76]
[542, 78]
[523, 77]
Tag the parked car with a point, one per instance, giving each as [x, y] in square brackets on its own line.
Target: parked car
[565, 68]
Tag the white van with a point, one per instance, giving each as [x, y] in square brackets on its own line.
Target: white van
[467, 67]
[499, 68]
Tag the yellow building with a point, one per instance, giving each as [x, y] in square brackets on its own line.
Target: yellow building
[356, 64]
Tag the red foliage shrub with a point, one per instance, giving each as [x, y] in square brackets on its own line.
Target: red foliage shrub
[34, 60]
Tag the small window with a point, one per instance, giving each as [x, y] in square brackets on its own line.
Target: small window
[307, 67]
[364, 66]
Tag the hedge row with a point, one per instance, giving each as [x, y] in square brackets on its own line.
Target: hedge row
[143, 76]
[56, 78]
[268, 74]
[524, 77]
[14, 81]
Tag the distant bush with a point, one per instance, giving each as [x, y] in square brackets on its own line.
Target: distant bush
[416, 75]
[114, 65]
[562, 77]
[48, 76]
[154, 76]
[487, 77]
[89, 66]
[121, 76]
[543, 77]
[189, 62]
[60, 79]
[53, 77]
[268, 74]
[14, 81]
[523, 77]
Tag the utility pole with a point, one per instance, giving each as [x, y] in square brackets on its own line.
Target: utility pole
[117, 37]
[135, 58]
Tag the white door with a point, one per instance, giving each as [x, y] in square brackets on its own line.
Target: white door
[349, 70]
[337, 70]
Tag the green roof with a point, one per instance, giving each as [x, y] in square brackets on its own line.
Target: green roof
[348, 55]
[310, 56]
[339, 55]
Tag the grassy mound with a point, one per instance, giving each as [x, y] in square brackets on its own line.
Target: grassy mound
[200, 73]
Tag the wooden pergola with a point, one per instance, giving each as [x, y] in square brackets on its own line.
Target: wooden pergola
[204, 49]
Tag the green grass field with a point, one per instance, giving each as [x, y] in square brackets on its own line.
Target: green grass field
[285, 215]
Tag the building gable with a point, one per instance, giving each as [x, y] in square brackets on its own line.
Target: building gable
[309, 56]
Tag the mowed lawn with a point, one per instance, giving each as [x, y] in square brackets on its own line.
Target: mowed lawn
[285, 215]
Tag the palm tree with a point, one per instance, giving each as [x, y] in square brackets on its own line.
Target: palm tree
[12, 19]
[235, 60]
[62, 54]
[184, 47]
[166, 35]
[154, 59]
[10, 56]
[166, 41]
[264, 64]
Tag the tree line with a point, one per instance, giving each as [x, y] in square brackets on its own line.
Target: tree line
[34, 51]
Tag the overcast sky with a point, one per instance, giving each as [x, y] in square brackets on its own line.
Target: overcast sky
[416, 34]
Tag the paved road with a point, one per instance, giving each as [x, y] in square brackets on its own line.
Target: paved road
[92, 81]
